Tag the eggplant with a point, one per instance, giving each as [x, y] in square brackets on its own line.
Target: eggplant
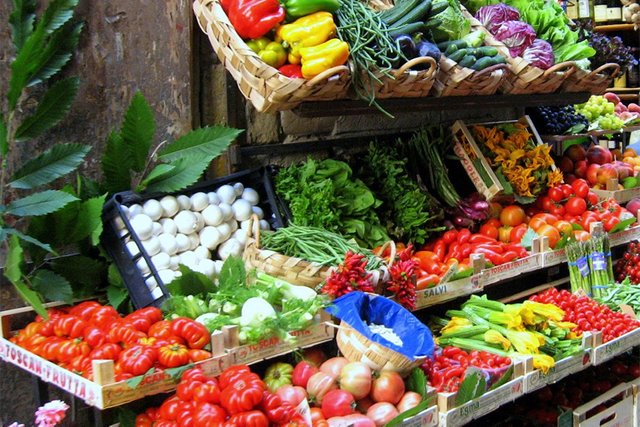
[407, 45]
[427, 48]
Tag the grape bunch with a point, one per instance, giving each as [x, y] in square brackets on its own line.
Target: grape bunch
[557, 120]
[598, 109]
[629, 264]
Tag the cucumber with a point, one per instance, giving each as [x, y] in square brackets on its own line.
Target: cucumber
[468, 61]
[433, 23]
[485, 51]
[416, 14]
[390, 16]
[451, 49]
[488, 61]
[410, 28]
[438, 7]
[460, 44]
[458, 55]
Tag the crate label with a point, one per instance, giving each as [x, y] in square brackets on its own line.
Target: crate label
[52, 373]
[550, 258]
[274, 346]
[609, 350]
[426, 418]
[486, 403]
[624, 236]
[563, 368]
[447, 291]
[510, 270]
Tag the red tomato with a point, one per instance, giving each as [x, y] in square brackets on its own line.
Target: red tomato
[334, 366]
[546, 217]
[388, 387]
[302, 372]
[517, 232]
[581, 235]
[493, 222]
[292, 393]
[592, 198]
[536, 222]
[170, 408]
[381, 413]
[489, 230]
[427, 281]
[196, 355]
[567, 190]
[551, 233]
[610, 222]
[244, 394]
[564, 227]
[428, 260]
[581, 188]
[576, 206]
[355, 378]
[512, 215]
[209, 414]
[319, 385]
[556, 194]
[338, 403]
[546, 203]
[137, 359]
[557, 210]
[173, 355]
[196, 334]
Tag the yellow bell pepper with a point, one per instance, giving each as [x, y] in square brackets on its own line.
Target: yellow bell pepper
[317, 59]
[310, 30]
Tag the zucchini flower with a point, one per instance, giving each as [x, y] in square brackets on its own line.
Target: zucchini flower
[494, 337]
[550, 311]
[544, 362]
[455, 324]
[523, 341]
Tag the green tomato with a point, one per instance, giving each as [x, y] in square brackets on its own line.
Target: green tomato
[277, 375]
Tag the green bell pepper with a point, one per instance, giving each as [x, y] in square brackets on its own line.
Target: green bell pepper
[272, 53]
[298, 8]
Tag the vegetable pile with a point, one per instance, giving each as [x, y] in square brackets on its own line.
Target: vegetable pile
[75, 336]
[628, 266]
[261, 306]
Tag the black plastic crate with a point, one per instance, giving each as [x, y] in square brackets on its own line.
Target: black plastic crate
[114, 238]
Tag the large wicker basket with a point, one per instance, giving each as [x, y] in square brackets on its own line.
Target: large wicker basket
[296, 270]
[595, 82]
[453, 80]
[408, 83]
[266, 88]
[355, 347]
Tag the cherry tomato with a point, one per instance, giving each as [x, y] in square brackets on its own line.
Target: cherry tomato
[489, 231]
[576, 206]
[556, 194]
[581, 188]
[567, 190]
[557, 210]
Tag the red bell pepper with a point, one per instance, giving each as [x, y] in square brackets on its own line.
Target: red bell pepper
[293, 71]
[254, 18]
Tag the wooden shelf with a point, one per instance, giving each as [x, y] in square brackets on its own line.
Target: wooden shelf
[613, 28]
[624, 89]
[473, 102]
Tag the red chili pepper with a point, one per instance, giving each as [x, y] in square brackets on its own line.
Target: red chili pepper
[293, 71]
[481, 238]
[497, 248]
[465, 250]
[450, 236]
[440, 249]
[464, 235]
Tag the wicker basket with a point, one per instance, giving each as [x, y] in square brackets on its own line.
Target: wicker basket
[595, 82]
[357, 348]
[408, 83]
[453, 80]
[266, 88]
[524, 77]
[296, 270]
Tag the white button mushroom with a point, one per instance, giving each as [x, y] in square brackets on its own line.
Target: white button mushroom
[132, 247]
[199, 201]
[142, 266]
[238, 187]
[210, 237]
[257, 210]
[251, 196]
[245, 224]
[225, 231]
[206, 267]
[184, 202]
[194, 240]
[157, 292]
[240, 235]
[264, 225]
[174, 262]
[166, 275]
[241, 210]
[212, 215]
[170, 206]
[168, 243]
[135, 210]
[157, 228]
[218, 267]
[199, 221]
[125, 211]
[161, 261]
[169, 226]
[152, 209]
[202, 253]
[233, 224]
[227, 211]
[226, 193]
[151, 283]
[228, 248]
[183, 242]
[213, 198]
[186, 222]
[151, 245]
[143, 226]
[189, 259]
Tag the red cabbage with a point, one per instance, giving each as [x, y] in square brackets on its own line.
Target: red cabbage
[539, 54]
[492, 16]
[516, 35]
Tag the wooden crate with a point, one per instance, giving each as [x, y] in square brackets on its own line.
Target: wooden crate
[612, 192]
[619, 412]
[476, 165]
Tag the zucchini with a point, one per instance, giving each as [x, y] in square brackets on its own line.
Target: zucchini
[411, 28]
[416, 14]
[468, 61]
[438, 7]
[457, 55]
[390, 16]
[467, 332]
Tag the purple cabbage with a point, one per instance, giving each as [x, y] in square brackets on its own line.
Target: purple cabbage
[539, 54]
[516, 35]
[492, 16]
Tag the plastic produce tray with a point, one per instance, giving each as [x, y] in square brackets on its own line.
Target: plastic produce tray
[114, 238]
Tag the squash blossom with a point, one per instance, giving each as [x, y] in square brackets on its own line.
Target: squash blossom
[494, 337]
[543, 362]
[456, 324]
[549, 311]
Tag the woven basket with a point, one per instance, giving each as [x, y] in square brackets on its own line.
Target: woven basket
[595, 82]
[266, 88]
[408, 83]
[524, 77]
[295, 270]
[355, 347]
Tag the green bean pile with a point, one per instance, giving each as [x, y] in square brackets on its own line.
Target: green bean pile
[371, 48]
[314, 244]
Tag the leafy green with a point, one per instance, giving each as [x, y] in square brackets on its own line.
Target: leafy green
[454, 24]
[417, 382]
[324, 194]
[622, 225]
[185, 172]
[50, 165]
[137, 131]
[21, 21]
[116, 164]
[410, 214]
[52, 286]
[473, 386]
[203, 143]
[40, 203]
